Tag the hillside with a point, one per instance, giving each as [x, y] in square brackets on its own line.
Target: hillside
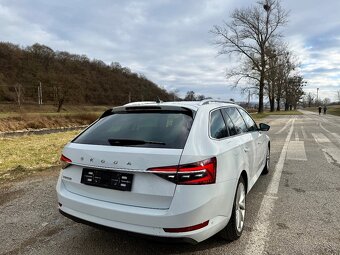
[68, 78]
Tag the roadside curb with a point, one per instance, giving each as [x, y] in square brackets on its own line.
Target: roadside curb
[42, 131]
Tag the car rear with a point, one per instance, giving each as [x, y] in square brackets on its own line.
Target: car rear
[125, 172]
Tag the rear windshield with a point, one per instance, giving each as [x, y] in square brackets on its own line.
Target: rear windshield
[142, 129]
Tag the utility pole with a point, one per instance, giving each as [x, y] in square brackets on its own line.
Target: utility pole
[129, 97]
[317, 95]
[41, 101]
[248, 98]
[40, 93]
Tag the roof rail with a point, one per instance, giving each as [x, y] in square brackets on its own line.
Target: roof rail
[140, 103]
[207, 101]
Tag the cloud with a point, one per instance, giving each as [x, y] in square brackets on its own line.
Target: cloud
[169, 40]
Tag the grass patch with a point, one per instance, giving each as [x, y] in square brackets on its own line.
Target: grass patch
[45, 116]
[12, 109]
[37, 121]
[258, 116]
[331, 109]
[28, 154]
[334, 110]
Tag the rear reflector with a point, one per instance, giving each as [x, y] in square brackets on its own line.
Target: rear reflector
[187, 229]
[201, 172]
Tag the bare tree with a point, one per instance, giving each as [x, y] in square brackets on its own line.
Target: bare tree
[190, 96]
[326, 101]
[60, 95]
[174, 94]
[310, 99]
[200, 97]
[248, 35]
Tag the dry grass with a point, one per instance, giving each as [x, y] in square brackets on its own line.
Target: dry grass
[334, 110]
[258, 116]
[37, 121]
[45, 116]
[28, 154]
[10, 109]
[331, 109]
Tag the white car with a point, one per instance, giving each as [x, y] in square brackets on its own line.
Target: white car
[169, 169]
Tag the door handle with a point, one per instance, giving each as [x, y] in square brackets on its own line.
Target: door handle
[246, 149]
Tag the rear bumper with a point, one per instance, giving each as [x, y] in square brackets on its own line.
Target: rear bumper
[185, 210]
[161, 239]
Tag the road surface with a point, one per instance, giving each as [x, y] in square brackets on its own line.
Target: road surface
[293, 210]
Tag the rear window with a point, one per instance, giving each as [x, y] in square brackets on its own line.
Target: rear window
[142, 129]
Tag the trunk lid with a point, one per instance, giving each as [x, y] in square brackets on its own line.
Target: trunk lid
[148, 190]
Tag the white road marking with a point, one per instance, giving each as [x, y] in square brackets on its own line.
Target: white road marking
[336, 136]
[275, 182]
[320, 138]
[258, 237]
[304, 133]
[296, 136]
[282, 129]
[333, 134]
[331, 152]
[296, 150]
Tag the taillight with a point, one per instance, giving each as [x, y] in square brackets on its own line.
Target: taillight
[201, 172]
[65, 162]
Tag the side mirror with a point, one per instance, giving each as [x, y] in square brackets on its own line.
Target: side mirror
[264, 127]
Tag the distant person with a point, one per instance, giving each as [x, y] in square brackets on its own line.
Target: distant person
[324, 109]
[320, 109]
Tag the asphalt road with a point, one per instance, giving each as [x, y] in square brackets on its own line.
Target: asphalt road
[293, 210]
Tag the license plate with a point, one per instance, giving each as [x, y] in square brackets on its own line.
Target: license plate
[107, 179]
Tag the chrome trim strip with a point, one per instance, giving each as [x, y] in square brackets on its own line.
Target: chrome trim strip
[111, 168]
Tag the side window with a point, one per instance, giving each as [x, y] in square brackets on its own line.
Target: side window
[229, 123]
[237, 119]
[249, 121]
[218, 128]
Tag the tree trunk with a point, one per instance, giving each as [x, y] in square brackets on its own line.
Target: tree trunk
[261, 94]
[272, 98]
[272, 104]
[278, 101]
[60, 104]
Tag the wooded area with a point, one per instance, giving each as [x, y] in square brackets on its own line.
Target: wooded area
[37, 74]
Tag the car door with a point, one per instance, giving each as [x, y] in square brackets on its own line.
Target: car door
[248, 145]
[259, 141]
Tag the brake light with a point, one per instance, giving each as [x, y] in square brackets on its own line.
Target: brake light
[201, 172]
[187, 229]
[64, 161]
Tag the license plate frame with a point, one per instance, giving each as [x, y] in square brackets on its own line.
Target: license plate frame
[108, 179]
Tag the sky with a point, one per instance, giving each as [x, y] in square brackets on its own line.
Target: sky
[169, 40]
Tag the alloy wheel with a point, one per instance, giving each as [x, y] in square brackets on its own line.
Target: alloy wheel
[240, 207]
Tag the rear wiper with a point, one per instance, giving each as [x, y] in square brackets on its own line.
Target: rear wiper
[117, 142]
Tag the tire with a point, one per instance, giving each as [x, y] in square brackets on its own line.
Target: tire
[267, 165]
[235, 226]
